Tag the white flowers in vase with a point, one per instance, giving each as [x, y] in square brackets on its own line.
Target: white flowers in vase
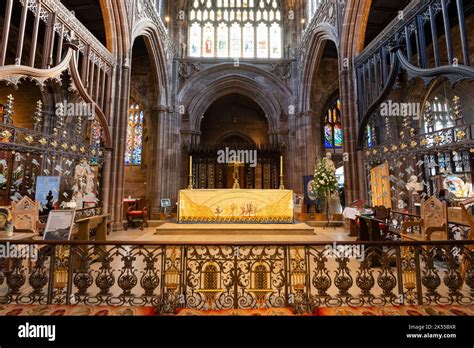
[325, 181]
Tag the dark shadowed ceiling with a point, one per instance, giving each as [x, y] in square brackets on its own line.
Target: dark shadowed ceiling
[382, 12]
[89, 13]
[330, 50]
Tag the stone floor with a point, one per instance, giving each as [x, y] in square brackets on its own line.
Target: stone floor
[330, 234]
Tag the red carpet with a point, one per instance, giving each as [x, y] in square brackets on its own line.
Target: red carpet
[50, 310]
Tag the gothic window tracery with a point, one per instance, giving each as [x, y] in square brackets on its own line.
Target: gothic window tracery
[235, 29]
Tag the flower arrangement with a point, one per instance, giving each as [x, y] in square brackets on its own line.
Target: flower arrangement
[325, 181]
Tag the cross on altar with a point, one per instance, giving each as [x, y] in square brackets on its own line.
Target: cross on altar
[236, 166]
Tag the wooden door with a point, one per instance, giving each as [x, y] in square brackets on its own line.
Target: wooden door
[380, 185]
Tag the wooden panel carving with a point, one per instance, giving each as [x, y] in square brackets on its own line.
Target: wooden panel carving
[434, 213]
[25, 214]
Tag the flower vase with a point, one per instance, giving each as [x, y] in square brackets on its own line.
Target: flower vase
[9, 229]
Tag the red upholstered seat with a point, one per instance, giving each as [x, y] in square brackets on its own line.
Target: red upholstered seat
[135, 215]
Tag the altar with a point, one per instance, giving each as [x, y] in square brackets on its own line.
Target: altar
[235, 206]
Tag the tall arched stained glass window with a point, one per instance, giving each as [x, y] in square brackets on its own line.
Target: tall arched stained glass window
[333, 126]
[133, 152]
[235, 29]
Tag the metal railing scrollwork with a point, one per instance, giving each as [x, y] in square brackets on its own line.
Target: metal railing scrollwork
[215, 277]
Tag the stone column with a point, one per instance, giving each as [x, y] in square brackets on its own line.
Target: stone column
[301, 150]
[152, 160]
[119, 134]
[165, 167]
[106, 185]
[354, 169]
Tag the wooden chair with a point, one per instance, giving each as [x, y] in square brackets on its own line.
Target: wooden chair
[433, 224]
[137, 213]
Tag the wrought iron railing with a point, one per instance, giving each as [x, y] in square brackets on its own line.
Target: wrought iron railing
[201, 276]
[453, 138]
[34, 142]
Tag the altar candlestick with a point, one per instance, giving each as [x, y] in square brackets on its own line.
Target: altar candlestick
[190, 186]
[282, 186]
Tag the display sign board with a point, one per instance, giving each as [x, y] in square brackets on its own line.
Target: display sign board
[166, 203]
[47, 186]
[59, 225]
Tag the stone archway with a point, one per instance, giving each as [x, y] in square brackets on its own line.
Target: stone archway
[205, 87]
[273, 97]
[235, 123]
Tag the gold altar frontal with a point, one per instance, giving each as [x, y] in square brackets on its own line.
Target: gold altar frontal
[235, 206]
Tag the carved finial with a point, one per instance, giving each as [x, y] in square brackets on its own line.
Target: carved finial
[457, 115]
[429, 117]
[38, 116]
[8, 111]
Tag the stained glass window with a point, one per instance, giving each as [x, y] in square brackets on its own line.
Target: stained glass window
[134, 149]
[333, 126]
[235, 28]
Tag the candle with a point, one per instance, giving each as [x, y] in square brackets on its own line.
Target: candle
[281, 165]
[190, 165]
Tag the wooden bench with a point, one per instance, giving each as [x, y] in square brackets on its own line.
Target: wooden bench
[98, 223]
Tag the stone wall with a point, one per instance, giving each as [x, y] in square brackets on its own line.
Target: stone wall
[231, 115]
[135, 182]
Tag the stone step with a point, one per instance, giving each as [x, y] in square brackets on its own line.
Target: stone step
[325, 223]
[234, 229]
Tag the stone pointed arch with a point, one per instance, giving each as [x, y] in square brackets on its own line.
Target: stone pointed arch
[324, 32]
[116, 25]
[265, 89]
[149, 31]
